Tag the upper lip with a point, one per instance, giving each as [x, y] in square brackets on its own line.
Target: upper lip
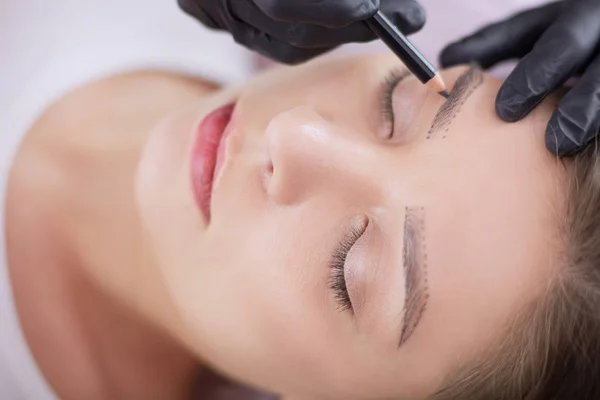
[207, 154]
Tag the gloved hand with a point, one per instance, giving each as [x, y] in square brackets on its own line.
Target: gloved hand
[292, 31]
[556, 42]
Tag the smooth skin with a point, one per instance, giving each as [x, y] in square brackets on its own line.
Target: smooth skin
[123, 255]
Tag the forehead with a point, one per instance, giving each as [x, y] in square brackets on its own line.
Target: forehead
[493, 198]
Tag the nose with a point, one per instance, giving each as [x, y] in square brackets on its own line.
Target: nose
[310, 154]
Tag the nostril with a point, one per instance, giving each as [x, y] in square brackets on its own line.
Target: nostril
[267, 174]
[297, 152]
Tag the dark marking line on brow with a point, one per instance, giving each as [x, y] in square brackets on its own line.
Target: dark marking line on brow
[464, 87]
[415, 269]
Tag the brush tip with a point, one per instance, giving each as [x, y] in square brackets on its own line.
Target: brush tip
[444, 93]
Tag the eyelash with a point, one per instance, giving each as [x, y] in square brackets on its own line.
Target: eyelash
[387, 97]
[337, 279]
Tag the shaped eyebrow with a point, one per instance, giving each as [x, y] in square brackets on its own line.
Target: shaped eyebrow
[464, 87]
[415, 272]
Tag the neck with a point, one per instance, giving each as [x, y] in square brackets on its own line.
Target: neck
[107, 316]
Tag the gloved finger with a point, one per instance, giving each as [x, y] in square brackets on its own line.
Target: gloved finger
[508, 39]
[283, 52]
[273, 48]
[332, 14]
[299, 34]
[408, 15]
[576, 122]
[305, 35]
[563, 49]
[249, 36]
[190, 7]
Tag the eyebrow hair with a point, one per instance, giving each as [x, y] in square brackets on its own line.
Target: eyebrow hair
[415, 272]
[464, 87]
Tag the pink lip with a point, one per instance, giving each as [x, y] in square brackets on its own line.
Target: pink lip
[208, 155]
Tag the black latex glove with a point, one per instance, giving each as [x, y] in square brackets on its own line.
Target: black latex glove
[293, 31]
[556, 42]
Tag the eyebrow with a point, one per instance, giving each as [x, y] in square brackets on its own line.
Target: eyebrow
[415, 272]
[464, 87]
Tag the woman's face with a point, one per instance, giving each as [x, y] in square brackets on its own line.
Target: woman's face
[354, 250]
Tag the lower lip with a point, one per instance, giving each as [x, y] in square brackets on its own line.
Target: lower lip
[207, 150]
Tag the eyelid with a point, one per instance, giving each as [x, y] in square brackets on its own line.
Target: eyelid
[386, 102]
[361, 266]
[337, 264]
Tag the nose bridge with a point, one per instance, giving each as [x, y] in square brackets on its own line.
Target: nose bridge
[309, 153]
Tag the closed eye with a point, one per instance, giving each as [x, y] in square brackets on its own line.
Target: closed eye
[337, 264]
[386, 103]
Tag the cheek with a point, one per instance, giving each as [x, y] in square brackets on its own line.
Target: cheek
[274, 303]
[270, 261]
[323, 84]
[255, 311]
